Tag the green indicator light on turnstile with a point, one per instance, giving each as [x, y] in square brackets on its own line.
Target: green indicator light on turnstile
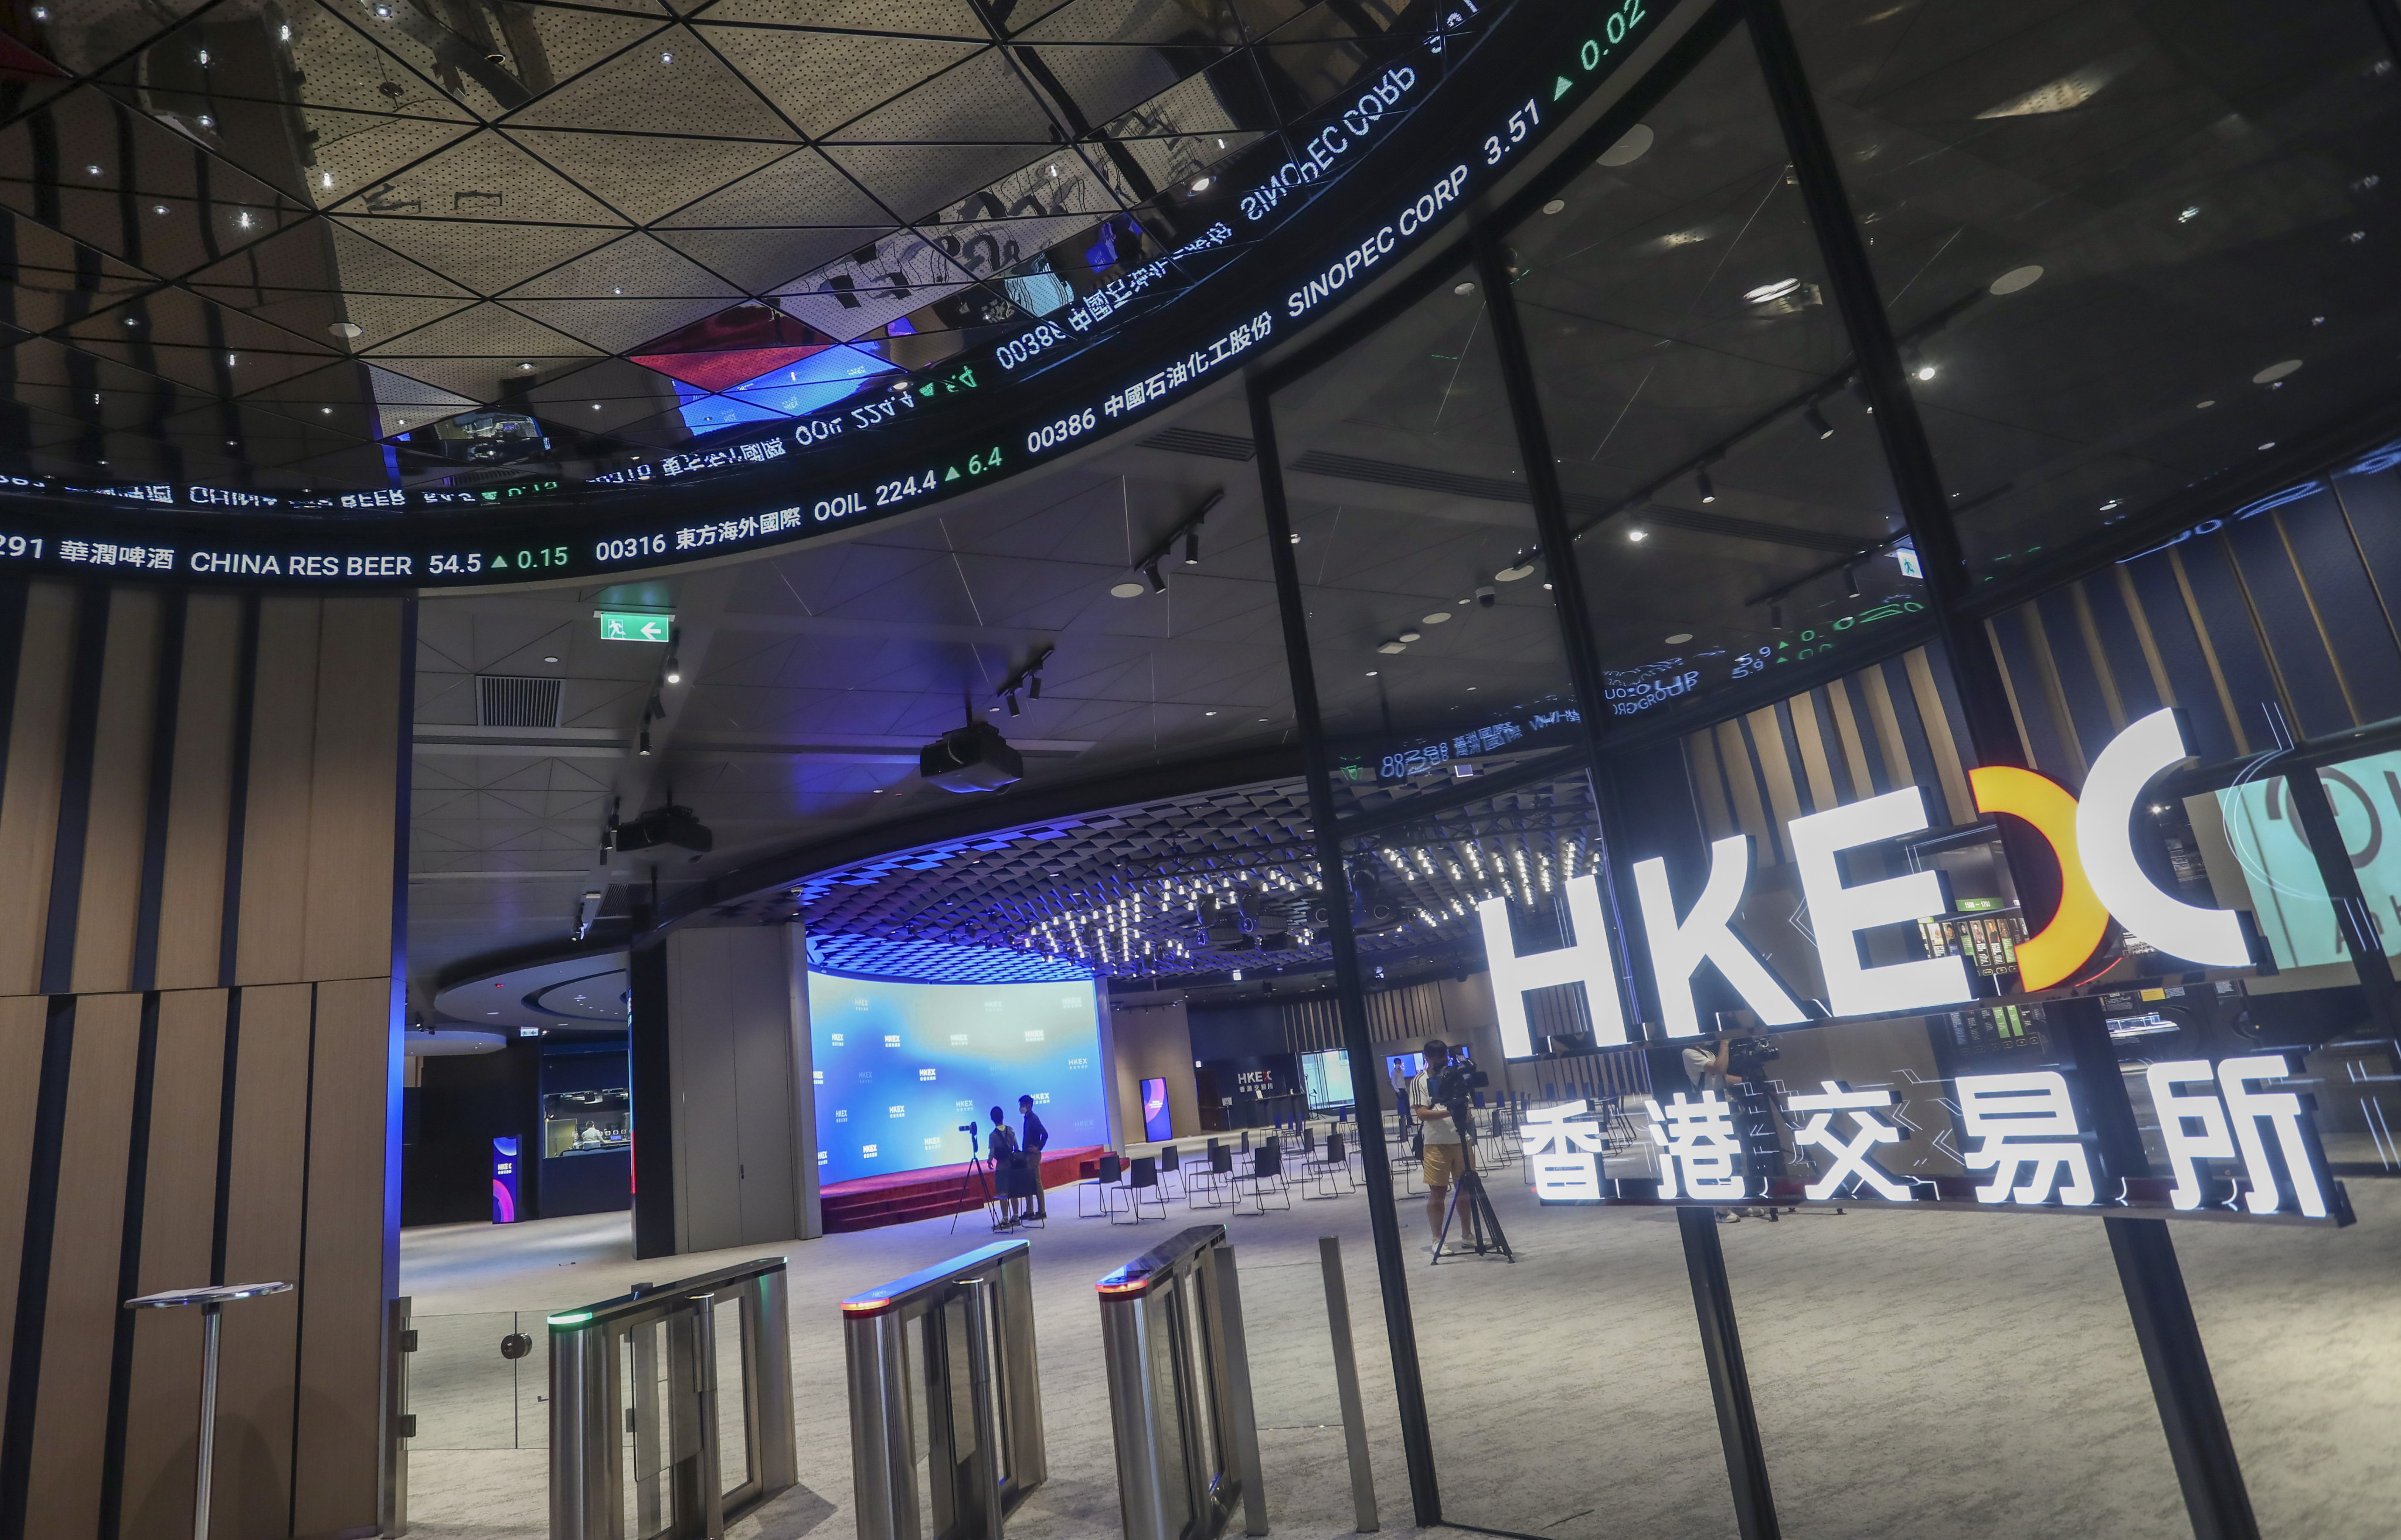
[571, 1317]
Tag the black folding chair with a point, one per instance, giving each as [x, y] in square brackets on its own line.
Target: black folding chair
[1329, 1167]
[1213, 1178]
[1265, 1176]
[1101, 1185]
[1144, 1178]
[1170, 1167]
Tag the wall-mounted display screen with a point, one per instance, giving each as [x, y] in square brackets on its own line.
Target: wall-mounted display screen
[1327, 1077]
[899, 1068]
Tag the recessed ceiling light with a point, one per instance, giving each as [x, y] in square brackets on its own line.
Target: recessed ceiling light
[1925, 371]
[1638, 536]
[549, 660]
[1393, 646]
[1512, 574]
[2202, 405]
[1555, 206]
[1201, 184]
[1410, 637]
[1433, 618]
[2269, 444]
[2275, 372]
[345, 327]
[92, 169]
[1629, 149]
[2015, 279]
[1128, 590]
[1204, 714]
[158, 209]
[1679, 638]
[1767, 292]
[2189, 212]
[526, 367]
[1372, 673]
[1467, 288]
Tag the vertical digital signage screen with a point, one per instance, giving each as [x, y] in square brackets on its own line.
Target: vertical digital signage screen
[1157, 1124]
[1327, 1076]
[901, 1066]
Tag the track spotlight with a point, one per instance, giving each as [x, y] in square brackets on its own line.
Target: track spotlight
[1817, 423]
[675, 670]
[1192, 546]
[1851, 582]
[1034, 687]
[646, 744]
[1012, 699]
[1775, 616]
[1158, 583]
[1708, 488]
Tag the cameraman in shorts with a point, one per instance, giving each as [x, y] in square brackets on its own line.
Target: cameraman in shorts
[1445, 1151]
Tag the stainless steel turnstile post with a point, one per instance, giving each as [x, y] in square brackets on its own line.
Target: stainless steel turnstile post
[212, 1298]
[639, 1448]
[942, 1377]
[1179, 1377]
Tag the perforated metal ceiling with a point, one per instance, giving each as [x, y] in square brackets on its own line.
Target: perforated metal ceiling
[219, 212]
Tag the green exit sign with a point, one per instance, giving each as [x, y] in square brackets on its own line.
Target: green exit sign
[625, 626]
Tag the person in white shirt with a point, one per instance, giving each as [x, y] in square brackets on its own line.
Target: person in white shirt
[1705, 1064]
[1444, 1152]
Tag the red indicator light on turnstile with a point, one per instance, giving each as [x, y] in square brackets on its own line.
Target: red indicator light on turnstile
[1122, 1284]
[866, 1304]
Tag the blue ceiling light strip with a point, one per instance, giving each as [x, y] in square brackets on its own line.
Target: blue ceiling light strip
[936, 961]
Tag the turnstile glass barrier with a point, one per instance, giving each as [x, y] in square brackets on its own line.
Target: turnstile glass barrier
[671, 1408]
[479, 1381]
[1180, 1390]
[945, 1405]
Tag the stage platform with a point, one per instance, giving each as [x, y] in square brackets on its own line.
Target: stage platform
[869, 1202]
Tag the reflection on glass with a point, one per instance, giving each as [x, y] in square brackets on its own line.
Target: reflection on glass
[2127, 246]
[1430, 624]
[1731, 501]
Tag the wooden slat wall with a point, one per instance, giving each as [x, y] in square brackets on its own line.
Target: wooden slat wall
[178, 1238]
[296, 795]
[1885, 727]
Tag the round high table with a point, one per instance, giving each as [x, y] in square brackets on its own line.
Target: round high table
[212, 1298]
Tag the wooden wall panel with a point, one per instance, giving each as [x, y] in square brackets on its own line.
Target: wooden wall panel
[24, 1019]
[29, 800]
[352, 841]
[178, 1238]
[341, 1312]
[282, 752]
[191, 922]
[263, 1241]
[78, 1328]
[111, 891]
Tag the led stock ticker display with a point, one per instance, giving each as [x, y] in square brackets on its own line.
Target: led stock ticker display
[1146, 339]
[2014, 1138]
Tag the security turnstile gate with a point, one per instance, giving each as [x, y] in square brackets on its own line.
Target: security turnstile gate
[671, 1408]
[945, 1406]
[1180, 1390]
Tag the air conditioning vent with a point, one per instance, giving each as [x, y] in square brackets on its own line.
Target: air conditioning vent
[505, 701]
[1196, 440]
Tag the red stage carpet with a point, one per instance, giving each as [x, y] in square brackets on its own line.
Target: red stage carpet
[868, 1203]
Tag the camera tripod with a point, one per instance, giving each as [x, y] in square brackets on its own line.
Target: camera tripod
[1482, 1222]
[979, 1169]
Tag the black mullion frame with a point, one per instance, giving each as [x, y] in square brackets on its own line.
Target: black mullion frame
[1351, 1000]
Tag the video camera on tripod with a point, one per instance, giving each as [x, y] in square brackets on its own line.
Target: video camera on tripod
[1452, 1088]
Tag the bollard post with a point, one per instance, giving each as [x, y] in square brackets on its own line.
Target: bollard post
[1346, 1382]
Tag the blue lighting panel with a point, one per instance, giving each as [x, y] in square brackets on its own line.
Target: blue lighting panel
[900, 1066]
[937, 962]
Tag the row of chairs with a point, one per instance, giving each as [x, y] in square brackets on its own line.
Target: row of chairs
[1214, 1180]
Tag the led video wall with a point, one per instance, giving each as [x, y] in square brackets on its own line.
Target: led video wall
[901, 1066]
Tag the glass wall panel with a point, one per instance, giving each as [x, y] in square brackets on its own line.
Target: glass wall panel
[1732, 505]
[1436, 646]
[2127, 246]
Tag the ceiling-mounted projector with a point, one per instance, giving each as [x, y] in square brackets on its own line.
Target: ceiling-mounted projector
[665, 826]
[975, 757]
